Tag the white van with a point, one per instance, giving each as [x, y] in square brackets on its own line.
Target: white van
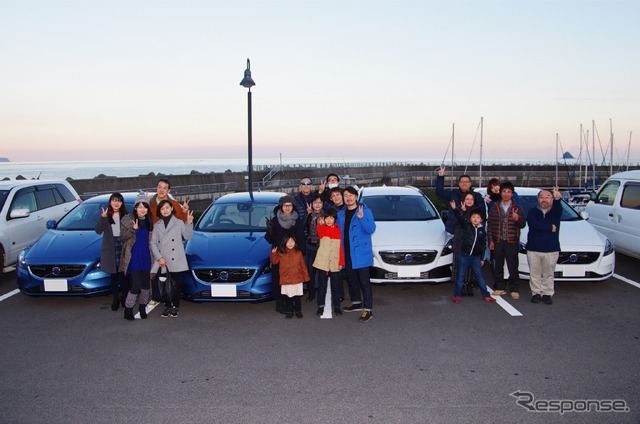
[615, 211]
[25, 208]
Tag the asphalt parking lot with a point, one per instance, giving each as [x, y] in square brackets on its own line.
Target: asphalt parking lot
[420, 359]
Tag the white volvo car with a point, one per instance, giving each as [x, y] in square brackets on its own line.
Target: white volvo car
[585, 255]
[410, 244]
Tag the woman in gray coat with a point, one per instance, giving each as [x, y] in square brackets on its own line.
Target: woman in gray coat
[111, 249]
[168, 250]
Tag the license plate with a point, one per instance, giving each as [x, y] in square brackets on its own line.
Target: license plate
[223, 290]
[55, 285]
[573, 271]
[408, 272]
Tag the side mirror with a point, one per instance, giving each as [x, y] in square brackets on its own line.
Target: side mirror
[51, 224]
[593, 195]
[585, 215]
[19, 213]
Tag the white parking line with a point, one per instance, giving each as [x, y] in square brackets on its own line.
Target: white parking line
[506, 305]
[8, 295]
[626, 280]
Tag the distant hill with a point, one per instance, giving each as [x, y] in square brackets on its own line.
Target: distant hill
[4, 160]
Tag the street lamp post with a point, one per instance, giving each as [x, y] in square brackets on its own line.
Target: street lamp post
[248, 82]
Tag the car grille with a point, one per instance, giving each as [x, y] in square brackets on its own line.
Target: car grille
[408, 258]
[57, 271]
[224, 275]
[578, 258]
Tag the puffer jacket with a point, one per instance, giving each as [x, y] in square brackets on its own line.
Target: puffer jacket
[513, 228]
[472, 239]
[330, 256]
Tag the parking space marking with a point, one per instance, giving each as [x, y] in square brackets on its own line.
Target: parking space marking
[8, 295]
[626, 280]
[506, 305]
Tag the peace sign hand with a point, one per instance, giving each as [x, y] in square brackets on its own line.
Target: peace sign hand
[189, 217]
[308, 207]
[441, 171]
[321, 186]
[185, 205]
[104, 212]
[360, 211]
[135, 224]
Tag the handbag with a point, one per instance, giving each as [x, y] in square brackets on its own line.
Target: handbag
[165, 286]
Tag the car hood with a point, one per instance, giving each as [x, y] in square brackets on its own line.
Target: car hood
[229, 250]
[575, 236]
[409, 234]
[56, 245]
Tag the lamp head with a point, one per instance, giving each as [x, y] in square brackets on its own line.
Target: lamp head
[247, 81]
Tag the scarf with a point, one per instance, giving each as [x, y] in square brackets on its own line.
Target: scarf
[166, 220]
[287, 221]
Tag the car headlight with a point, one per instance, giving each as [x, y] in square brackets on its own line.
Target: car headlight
[523, 248]
[608, 248]
[22, 263]
[448, 248]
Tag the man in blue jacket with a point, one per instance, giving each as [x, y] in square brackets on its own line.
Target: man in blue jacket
[543, 244]
[356, 226]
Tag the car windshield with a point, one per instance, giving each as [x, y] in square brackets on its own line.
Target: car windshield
[236, 217]
[3, 197]
[394, 207]
[568, 213]
[84, 217]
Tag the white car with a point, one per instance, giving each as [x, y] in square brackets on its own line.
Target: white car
[25, 208]
[615, 212]
[410, 244]
[586, 255]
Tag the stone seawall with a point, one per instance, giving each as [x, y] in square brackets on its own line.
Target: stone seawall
[201, 189]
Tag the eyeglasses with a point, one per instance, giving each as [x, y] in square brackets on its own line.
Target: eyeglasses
[305, 183]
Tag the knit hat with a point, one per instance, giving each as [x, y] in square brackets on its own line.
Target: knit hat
[285, 199]
[141, 197]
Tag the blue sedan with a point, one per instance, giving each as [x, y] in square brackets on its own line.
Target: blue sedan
[65, 261]
[228, 255]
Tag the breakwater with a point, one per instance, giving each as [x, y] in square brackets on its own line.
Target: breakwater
[208, 186]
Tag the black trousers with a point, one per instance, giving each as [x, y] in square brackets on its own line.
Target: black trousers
[506, 252]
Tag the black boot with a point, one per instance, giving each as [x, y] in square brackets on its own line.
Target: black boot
[116, 302]
[143, 311]
[128, 314]
[280, 308]
[469, 288]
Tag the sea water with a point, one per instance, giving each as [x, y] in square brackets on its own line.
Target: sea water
[133, 168]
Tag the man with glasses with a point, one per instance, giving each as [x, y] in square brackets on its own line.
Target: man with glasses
[302, 200]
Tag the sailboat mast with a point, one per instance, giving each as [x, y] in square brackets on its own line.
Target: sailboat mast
[611, 144]
[629, 149]
[481, 134]
[556, 184]
[580, 162]
[593, 146]
[453, 148]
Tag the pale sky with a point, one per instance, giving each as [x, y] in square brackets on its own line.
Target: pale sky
[348, 79]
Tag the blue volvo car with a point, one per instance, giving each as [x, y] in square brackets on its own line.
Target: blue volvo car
[65, 261]
[228, 255]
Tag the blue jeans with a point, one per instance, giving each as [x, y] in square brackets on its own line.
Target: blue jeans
[464, 262]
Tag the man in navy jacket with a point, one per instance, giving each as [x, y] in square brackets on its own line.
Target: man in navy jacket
[543, 244]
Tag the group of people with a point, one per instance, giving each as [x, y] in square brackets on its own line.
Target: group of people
[141, 243]
[489, 230]
[322, 238]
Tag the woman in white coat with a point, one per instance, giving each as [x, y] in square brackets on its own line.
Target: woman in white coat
[168, 250]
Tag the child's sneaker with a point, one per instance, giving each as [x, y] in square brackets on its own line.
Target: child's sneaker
[456, 299]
